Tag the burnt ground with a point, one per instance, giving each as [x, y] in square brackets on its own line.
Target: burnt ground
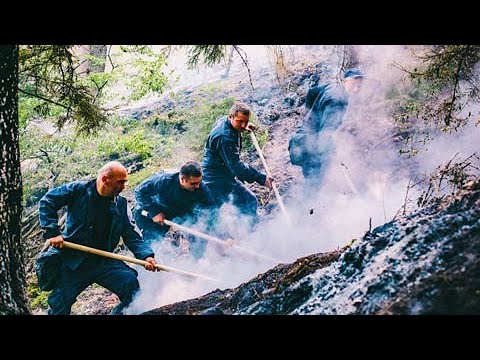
[425, 263]
[231, 301]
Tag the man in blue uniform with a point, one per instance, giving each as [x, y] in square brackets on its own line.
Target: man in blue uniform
[326, 105]
[179, 197]
[222, 169]
[96, 216]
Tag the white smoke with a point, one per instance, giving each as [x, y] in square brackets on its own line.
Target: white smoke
[364, 187]
[444, 146]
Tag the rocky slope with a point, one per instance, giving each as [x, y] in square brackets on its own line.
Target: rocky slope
[425, 263]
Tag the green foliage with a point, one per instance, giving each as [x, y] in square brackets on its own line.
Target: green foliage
[438, 96]
[200, 119]
[33, 191]
[167, 124]
[30, 107]
[261, 133]
[47, 73]
[150, 78]
[64, 157]
[135, 142]
[37, 297]
[96, 60]
[87, 116]
[139, 49]
[51, 87]
[98, 81]
[208, 54]
[137, 177]
[142, 72]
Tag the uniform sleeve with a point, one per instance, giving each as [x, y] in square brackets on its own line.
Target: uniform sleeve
[49, 205]
[230, 155]
[148, 196]
[206, 198]
[132, 237]
[331, 116]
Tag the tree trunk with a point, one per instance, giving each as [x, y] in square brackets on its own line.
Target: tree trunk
[13, 299]
[229, 63]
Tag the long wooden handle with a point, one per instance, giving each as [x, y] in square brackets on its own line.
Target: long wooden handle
[213, 239]
[219, 241]
[274, 185]
[90, 250]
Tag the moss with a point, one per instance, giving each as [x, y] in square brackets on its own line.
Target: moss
[37, 298]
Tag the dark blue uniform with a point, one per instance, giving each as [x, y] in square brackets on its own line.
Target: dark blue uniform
[95, 221]
[223, 172]
[327, 105]
[162, 193]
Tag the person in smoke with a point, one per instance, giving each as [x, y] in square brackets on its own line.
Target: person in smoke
[180, 197]
[223, 171]
[96, 216]
[312, 145]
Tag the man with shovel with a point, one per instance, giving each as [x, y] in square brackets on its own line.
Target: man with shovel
[179, 196]
[97, 216]
[222, 168]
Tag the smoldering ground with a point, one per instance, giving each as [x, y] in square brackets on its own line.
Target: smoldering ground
[364, 187]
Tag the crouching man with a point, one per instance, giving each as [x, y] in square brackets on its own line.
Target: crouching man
[97, 216]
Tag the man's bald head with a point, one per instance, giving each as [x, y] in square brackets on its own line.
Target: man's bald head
[112, 179]
[112, 167]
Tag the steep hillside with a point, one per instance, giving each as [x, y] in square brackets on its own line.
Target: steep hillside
[425, 263]
[270, 103]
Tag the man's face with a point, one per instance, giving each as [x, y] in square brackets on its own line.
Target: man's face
[115, 183]
[191, 183]
[239, 121]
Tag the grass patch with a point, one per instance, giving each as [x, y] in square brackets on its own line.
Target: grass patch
[136, 178]
[37, 298]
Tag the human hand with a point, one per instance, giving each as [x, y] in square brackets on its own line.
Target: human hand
[230, 242]
[251, 127]
[150, 265]
[56, 241]
[159, 218]
[269, 182]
